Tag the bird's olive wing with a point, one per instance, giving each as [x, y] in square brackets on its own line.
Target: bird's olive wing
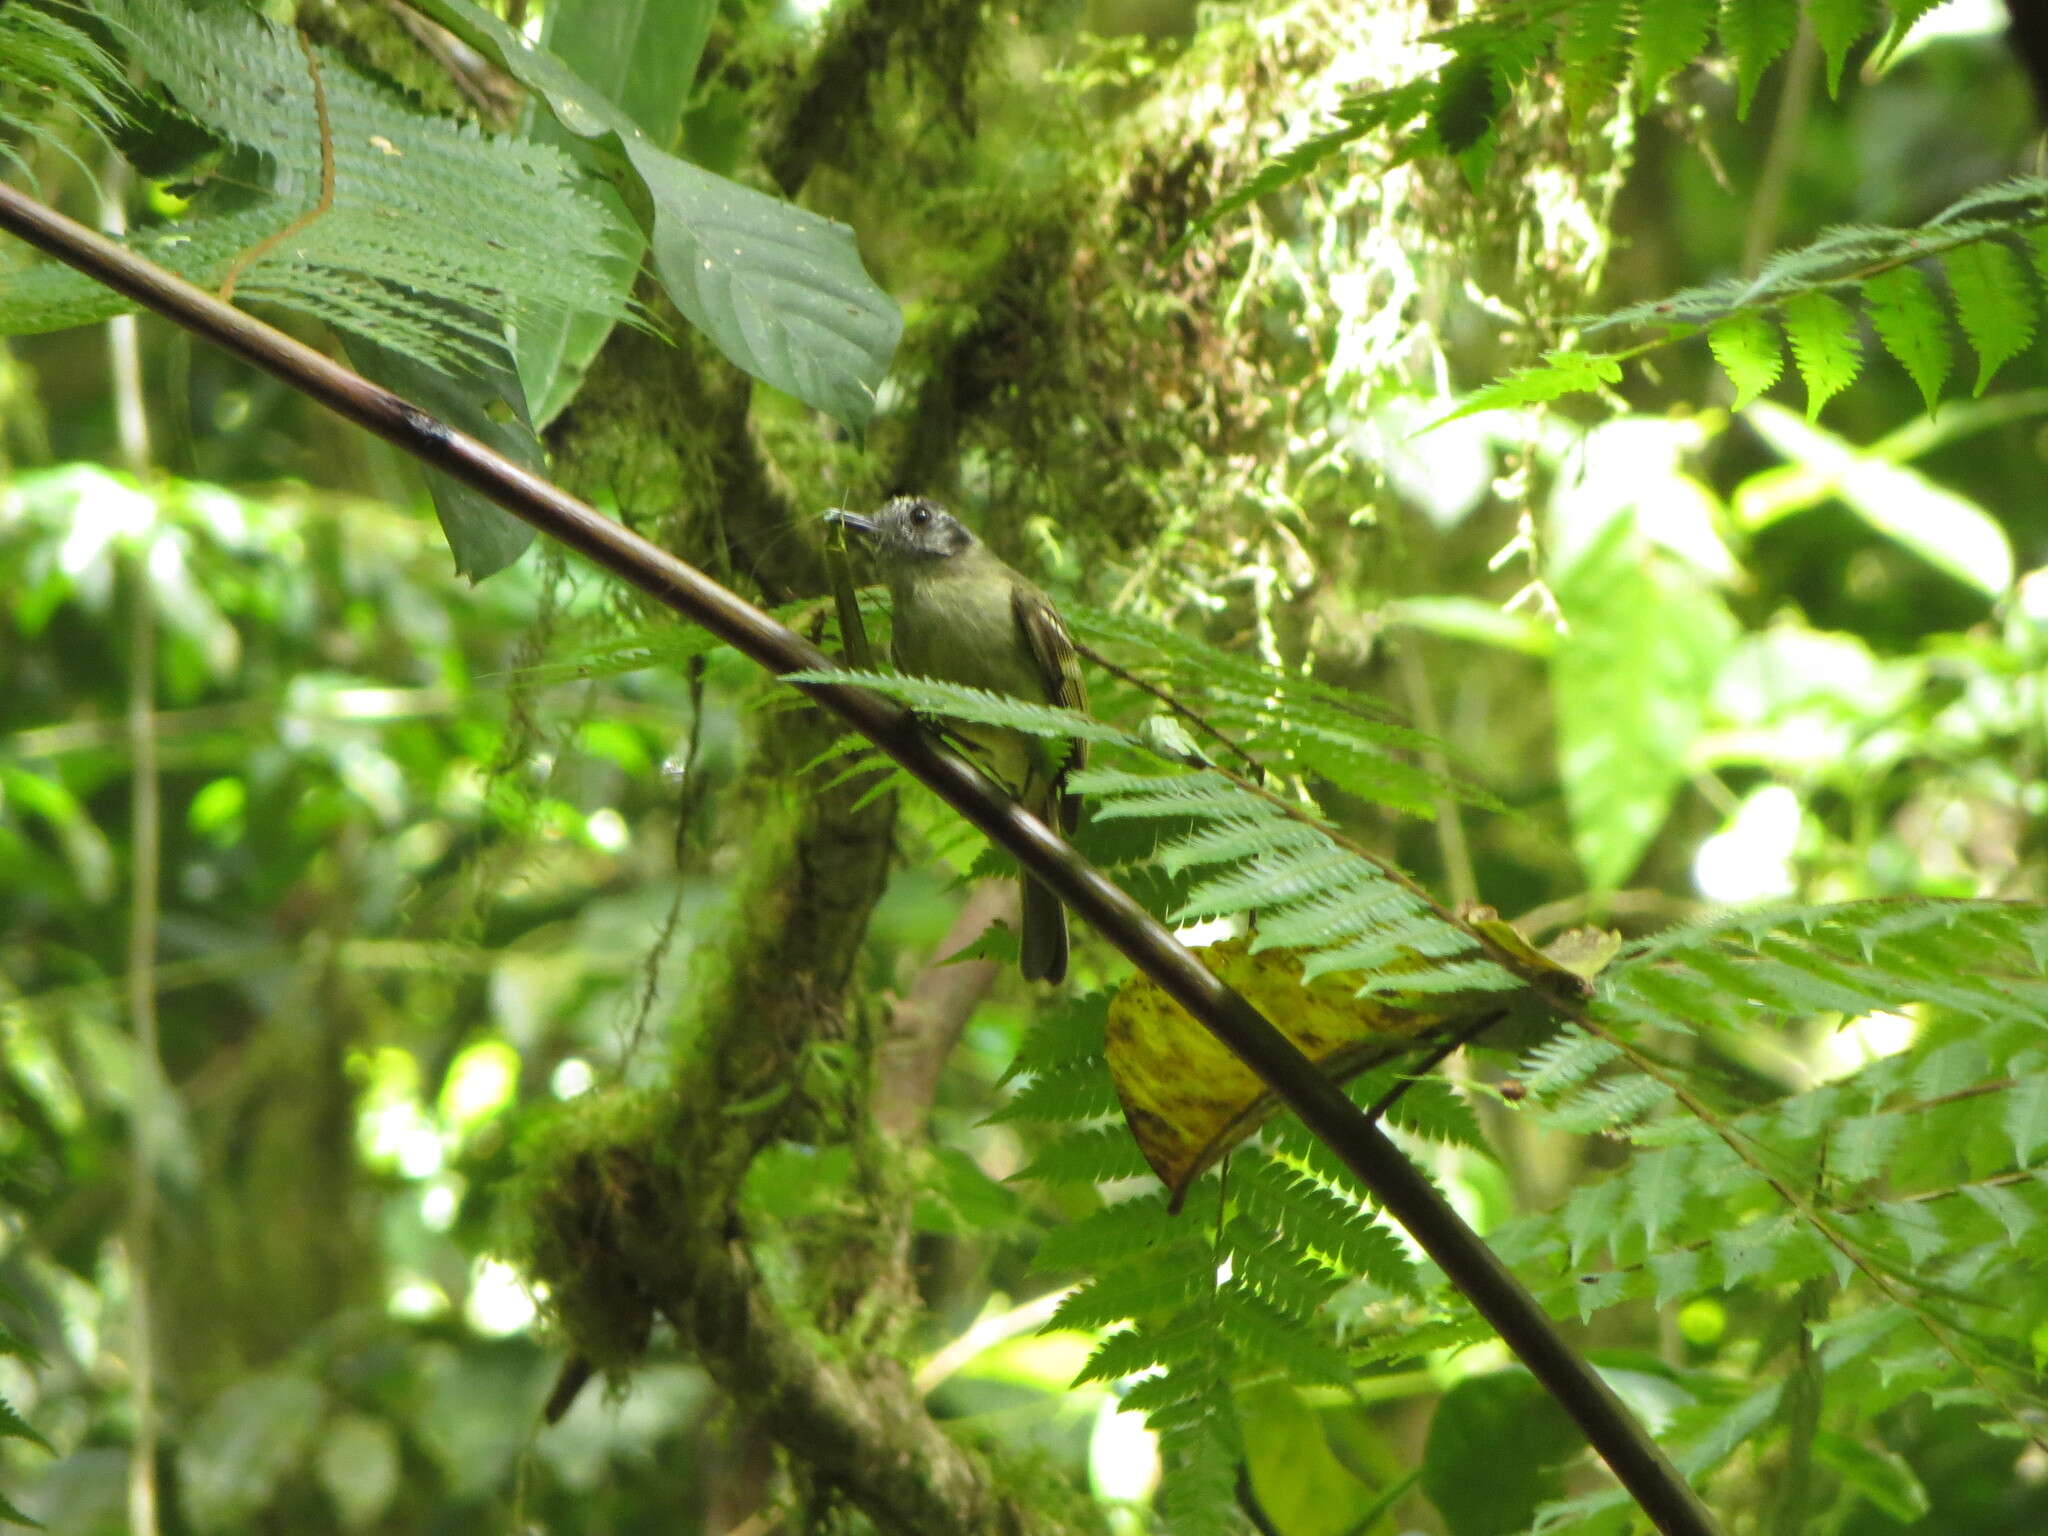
[1052, 648]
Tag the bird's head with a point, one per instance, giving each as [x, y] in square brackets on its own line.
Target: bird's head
[909, 530]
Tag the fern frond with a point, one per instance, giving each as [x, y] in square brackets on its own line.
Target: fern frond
[977, 706]
[1266, 879]
[1566, 1059]
[1909, 321]
[1592, 54]
[1096, 1154]
[1281, 1272]
[1669, 36]
[1811, 291]
[1062, 1038]
[1241, 837]
[1747, 347]
[1203, 794]
[1127, 1232]
[1145, 1346]
[1822, 332]
[1753, 33]
[1066, 1094]
[1431, 1108]
[1558, 375]
[1356, 117]
[1264, 1334]
[431, 221]
[1994, 303]
[1320, 1220]
[47, 63]
[1837, 26]
[1335, 912]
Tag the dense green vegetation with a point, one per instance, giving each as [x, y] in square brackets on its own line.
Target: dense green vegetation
[1560, 459]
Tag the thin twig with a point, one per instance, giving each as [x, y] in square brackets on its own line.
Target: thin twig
[146, 1110]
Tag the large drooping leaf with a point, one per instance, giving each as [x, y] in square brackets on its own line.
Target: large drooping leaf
[641, 54]
[486, 401]
[780, 290]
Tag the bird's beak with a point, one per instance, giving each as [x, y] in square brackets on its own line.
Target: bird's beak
[853, 520]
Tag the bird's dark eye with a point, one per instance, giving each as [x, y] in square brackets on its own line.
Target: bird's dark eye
[920, 515]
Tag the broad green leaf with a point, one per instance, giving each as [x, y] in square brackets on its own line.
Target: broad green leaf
[1746, 346]
[1945, 529]
[1497, 1448]
[641, 54]
[1560, 373]
[1822, 330]
[1754, 32]
[779, 290]
[1669, 36]
[1993, 302]
[1909, 321]
[1302, 1485]
[359, 1465]
[488, 403]
[1631, 677]
[1837, 24]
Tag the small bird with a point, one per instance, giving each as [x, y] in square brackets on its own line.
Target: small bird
[962, 616]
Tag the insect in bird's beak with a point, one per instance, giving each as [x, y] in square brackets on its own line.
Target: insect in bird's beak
[853, 520]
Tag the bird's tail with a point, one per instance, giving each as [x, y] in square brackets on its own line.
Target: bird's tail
[1043, 935]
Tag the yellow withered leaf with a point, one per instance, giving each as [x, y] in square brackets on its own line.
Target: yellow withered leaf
[1188, 1100]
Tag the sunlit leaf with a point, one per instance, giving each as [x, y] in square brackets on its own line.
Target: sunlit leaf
[1909, 321]
[1993, 301]
[1747, 347]
[1822, 330]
